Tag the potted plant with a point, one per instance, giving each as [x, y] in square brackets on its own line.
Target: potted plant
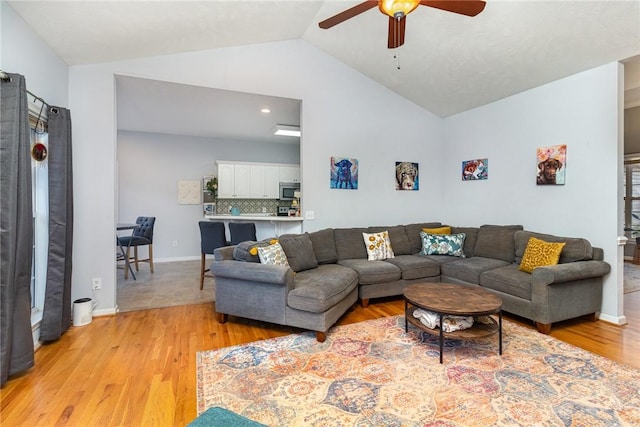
[212, 187]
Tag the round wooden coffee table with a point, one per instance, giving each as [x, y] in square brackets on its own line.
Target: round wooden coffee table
[457, 300]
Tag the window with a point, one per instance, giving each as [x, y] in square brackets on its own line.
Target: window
[632, 197]
[40, 201]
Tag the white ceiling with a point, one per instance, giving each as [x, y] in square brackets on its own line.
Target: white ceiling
[449, 63]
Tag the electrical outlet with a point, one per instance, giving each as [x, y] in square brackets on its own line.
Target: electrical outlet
[310, 215]
[175, 243]
[96, 283]
[264, 209]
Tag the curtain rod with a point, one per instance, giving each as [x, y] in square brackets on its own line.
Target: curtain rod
[6, 78]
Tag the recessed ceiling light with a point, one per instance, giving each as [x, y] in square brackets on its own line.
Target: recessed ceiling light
[265, 111]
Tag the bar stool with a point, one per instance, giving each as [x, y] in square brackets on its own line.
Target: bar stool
[212, 236]
[242, 231]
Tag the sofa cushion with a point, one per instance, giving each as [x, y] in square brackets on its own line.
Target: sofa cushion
[470, 240]
[469, 269]
[372, 272]
[576, 249]
[539, 253]
[272, 255]
[415, 267]
[397, 235]
[509, 280]
[497, 242]
[321, 288]
[324, 246]
[349, 243]
[378, 246]
[299, 251]
[413, 234]
[442, 244]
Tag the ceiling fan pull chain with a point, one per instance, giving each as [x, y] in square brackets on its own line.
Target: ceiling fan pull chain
[396, 56]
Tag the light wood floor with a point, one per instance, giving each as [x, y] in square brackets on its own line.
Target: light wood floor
[139, 368]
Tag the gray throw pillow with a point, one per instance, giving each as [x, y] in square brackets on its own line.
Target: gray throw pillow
[241, 252]
[299, 251]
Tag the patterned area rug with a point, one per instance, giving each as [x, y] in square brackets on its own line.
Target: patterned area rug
[373, 374]
[631, 277]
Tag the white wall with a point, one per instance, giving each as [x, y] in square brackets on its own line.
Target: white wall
[343, 114]
[23, 52]
[150, 166]
[580, 111]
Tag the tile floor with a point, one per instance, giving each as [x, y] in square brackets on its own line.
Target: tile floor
[172, 283]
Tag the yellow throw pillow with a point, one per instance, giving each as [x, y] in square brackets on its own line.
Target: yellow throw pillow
[539, 253]
[439, 230]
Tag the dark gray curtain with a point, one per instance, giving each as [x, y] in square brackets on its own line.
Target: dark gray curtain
[56, 315]
[16, 229]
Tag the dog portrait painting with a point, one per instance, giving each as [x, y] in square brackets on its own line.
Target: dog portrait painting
[344, 173]
[551, 165]
[407, 176]
[473, 170]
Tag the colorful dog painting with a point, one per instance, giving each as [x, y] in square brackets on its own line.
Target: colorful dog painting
[407, 176]
[552, 165]
[473, 170]
[344, 173]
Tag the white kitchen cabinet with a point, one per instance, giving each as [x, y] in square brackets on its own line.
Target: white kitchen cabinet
[264, 182]
[289, 174]
[234, 181]
[248, 180]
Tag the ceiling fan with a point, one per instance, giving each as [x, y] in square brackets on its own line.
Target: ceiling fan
[397, 10]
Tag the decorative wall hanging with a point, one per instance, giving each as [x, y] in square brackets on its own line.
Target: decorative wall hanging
[189, 192]
[552, 165]
[473, 170]
[344, 173]
[407, 176]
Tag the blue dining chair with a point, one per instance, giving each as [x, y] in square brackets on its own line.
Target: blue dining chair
[212, 236]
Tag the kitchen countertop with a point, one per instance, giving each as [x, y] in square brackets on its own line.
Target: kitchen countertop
[256, 217]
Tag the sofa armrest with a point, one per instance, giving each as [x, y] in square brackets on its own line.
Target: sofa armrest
[253, 272]
[568, 272]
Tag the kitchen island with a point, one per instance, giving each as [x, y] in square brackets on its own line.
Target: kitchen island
[267, 225]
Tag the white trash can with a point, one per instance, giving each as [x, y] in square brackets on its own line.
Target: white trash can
[82, 311]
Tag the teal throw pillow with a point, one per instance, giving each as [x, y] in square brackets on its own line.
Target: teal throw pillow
[442, 244]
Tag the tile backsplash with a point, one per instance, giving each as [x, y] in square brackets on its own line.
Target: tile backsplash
[250, 205]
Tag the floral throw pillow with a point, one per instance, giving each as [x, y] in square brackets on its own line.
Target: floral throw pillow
[442, 244]
[273, 254]
[378, 246]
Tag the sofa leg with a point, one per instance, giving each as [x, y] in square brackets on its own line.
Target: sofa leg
[222, 317]
[321, 336]
[364, 302]
[592, 317]
[543, 328]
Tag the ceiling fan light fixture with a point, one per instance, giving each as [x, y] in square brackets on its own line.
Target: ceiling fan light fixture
[397, 8]
[286, 130]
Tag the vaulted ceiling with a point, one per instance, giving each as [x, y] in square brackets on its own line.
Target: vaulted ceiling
[449, 63]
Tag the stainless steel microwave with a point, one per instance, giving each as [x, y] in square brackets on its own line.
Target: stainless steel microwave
[288, 189]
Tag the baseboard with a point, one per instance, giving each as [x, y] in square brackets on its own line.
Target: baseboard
[105, 312]
[616, 320]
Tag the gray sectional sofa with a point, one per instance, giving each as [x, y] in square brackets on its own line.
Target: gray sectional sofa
[329, 271]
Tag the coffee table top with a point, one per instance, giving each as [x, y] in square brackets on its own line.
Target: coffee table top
[454, 299]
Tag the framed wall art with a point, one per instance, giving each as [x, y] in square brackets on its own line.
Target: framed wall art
[407, 177]
[473, 170]
[344, 173]
[551, 164]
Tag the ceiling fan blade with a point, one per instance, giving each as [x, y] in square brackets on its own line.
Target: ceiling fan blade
[463, 7]
[347, 14]
[396, 32]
